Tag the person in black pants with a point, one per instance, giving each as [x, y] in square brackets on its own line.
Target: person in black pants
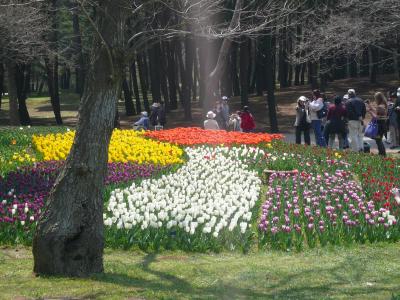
[380, 114]
[303, 121]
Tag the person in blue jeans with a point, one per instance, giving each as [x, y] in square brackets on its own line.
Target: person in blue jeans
[316, 123]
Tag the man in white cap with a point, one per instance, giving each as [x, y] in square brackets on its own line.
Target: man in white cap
[356, 111]
[210, 123]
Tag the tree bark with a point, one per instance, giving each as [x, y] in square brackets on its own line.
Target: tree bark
[69, 239]
[22, 78]
[1, 82]
[172, 75]
[143, 80]
[244, 72]
[77, 46]
[129, 107]
[188, 79]
[135, 88]
[373, 64]
[13, 93]
[52, 83]
[154, 60]
[214, 77]
[270, 74]
[234, 71]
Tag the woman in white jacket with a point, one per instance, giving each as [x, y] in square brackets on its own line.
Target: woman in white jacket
[316, 105]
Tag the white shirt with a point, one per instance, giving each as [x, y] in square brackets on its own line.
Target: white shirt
[315, 106]
[211, 124]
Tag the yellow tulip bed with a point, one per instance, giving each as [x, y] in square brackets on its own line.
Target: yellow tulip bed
[125, 146]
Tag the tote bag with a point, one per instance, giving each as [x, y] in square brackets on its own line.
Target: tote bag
[371, 130]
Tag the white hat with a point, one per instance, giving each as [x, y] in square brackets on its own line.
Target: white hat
[144, 113]
[156, 104]
[351, 92]
[211, 115]
[302, 98]
[224, 98]
[346, 97]
[398, 92]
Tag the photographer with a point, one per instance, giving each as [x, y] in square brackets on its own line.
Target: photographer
[303, 121]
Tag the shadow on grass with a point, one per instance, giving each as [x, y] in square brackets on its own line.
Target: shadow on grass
[345, 279]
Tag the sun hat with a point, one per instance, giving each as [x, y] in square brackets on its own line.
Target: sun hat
[211, 115]
[302, 99]
[144, 113]
[351, 92]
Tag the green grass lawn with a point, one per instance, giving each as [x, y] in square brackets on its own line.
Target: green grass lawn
[359, 272]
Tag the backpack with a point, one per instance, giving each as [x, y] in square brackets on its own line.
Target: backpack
[323, 112]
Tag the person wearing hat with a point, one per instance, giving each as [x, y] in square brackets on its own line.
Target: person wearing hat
[247, 124]
[356, 111]
[210, 123]
[336, 122]
[143, 122]
[154, 113]
[303, 121]
[317, 105]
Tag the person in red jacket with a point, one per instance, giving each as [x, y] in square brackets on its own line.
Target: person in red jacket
[247, 120]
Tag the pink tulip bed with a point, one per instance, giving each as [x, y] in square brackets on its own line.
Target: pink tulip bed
[319, 209]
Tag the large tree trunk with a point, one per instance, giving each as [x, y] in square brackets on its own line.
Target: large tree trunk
[244, 72]
[77, 46]
[172, 75]
[69, 239]
[188, 79]
[1, 81]
[13, 93]
[234, 70]
[23, 73]
[270, 75]
[155, 61]
[135, 87]
[142, 66]
[129, 107]
[215, 76]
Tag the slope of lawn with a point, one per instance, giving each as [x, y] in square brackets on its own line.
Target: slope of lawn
[362, 272]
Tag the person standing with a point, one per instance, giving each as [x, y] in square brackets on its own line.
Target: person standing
[316, 106]
[219, 115]
[303, 121]
[234, 122]
[162, 118]
[392, 122]
[154, 109]
[247, 124]
[380, 114]
[210, 123]
[336, 122]
[397, 110]
[225, 110]
[356, 111]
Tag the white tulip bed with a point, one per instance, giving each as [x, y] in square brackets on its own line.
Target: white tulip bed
[207, 204]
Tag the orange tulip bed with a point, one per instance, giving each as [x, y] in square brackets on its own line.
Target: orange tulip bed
[196, 136]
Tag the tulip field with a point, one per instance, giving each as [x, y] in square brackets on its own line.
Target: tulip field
[195, 190]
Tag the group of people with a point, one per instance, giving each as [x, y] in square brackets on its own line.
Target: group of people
[220, 119]
[157, 117]
[345, 118]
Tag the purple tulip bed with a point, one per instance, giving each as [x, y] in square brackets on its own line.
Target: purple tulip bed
[319, 209]
[23, 193]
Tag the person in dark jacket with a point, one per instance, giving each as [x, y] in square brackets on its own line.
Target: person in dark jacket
[356, 112]
[162, 118]
[397, 109]
[154, 113]
[336, 122]
[247, 124]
